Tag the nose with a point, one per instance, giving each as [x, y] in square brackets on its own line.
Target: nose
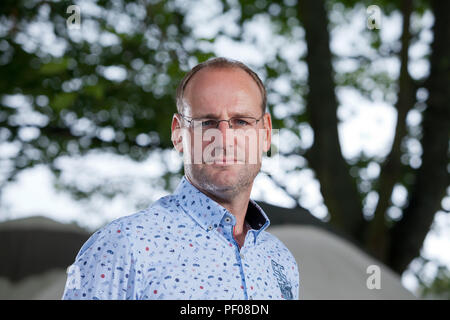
[227, 122]
[227, 134]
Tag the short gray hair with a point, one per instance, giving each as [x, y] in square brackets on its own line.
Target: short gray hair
[219, 63]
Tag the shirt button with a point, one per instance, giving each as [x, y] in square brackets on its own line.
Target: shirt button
[227, 219]
[250, 298]
[241, 255]
[210, 228]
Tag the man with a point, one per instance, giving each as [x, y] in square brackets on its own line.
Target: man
[207, 240]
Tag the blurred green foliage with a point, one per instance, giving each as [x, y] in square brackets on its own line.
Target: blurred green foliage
[68, 84]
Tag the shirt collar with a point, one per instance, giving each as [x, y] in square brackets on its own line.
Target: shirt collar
[208, 213]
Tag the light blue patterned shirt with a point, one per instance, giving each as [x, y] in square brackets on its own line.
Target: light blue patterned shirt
[182, 247]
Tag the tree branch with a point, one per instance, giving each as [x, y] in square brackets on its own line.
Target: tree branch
[377, 233]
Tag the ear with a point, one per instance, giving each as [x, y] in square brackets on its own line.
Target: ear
[177, 137]
[268, 132]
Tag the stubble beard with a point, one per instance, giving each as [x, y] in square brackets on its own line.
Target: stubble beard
[206, 179]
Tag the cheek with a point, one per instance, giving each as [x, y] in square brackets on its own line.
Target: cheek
[251, 143]
[187, 142]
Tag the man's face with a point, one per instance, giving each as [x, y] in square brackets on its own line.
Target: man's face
[228, 166]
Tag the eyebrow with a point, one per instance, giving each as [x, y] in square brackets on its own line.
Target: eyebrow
[233, 115]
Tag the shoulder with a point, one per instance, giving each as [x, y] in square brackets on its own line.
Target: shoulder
[108, 236]
[272, 240]
[125, 229]
[146, 218]
[165, 211]
[278, 248]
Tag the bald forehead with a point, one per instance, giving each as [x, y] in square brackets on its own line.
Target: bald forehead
[216, 80]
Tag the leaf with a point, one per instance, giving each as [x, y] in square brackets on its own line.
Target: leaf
[63, 100]
[54, 67]
[94, 91]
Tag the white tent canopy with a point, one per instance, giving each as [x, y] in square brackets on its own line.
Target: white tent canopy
[332, 268]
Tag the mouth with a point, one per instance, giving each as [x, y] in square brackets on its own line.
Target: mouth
[224, 161]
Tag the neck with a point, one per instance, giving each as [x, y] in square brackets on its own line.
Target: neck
[238, 206]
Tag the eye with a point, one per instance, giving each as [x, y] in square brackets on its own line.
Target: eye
[241, 122]
[208, 123]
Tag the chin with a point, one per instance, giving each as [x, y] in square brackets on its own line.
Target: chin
[225, 180]
[224, 176]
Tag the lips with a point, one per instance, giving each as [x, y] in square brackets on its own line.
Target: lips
[219, 157]
[223, 161]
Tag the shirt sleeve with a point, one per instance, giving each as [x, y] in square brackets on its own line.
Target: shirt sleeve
[294, 275]
[104, 269]
[297, 282]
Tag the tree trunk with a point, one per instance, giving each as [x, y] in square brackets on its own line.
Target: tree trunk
[325, 157]
[432, 178]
